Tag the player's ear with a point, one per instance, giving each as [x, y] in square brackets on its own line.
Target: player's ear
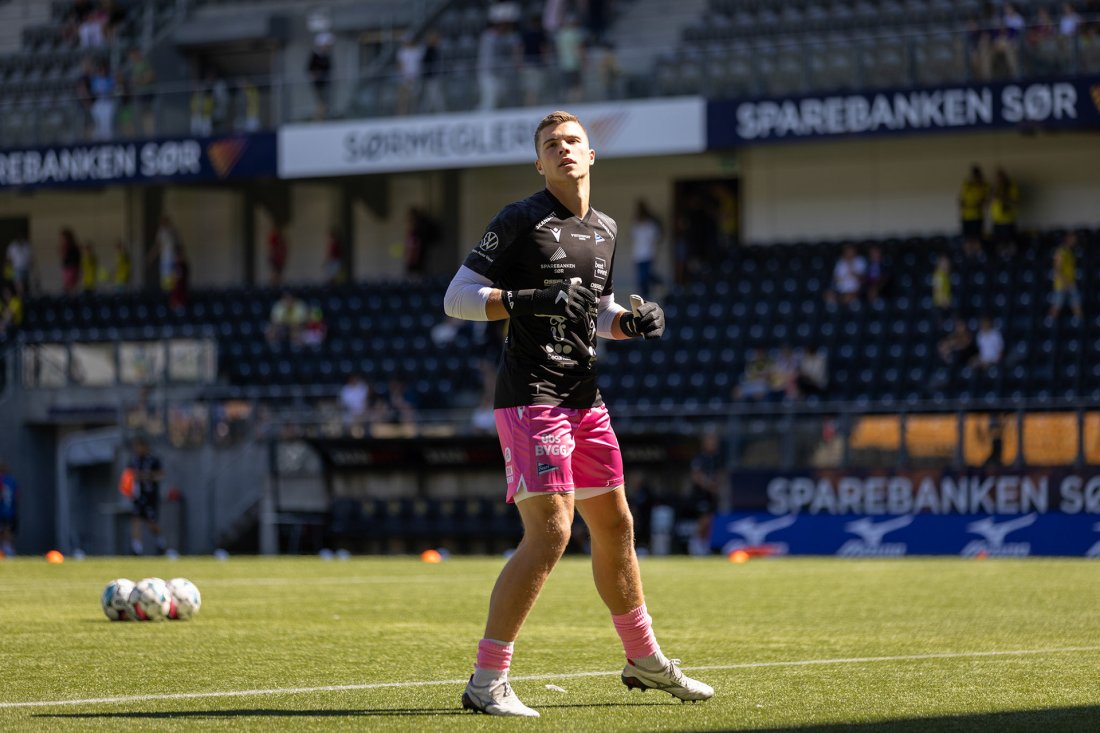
[538, 167]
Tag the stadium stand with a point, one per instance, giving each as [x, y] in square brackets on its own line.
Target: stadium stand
[757, 297]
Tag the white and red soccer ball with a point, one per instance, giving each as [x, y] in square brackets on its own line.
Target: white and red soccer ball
[186, 599]
[151, 600]
[116, 599]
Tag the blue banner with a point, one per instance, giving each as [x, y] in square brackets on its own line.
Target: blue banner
[968, 535]
[1070, 103]
[174, 160]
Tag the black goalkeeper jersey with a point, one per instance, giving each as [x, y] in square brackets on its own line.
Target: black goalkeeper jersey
[535, 243]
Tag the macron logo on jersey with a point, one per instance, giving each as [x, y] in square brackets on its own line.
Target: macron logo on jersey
[558, 255]
[556, 231]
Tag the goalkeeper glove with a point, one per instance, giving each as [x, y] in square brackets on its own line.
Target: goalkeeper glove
[647, 320]
[570, 300]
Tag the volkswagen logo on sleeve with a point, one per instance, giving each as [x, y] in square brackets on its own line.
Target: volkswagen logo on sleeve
[489, 242]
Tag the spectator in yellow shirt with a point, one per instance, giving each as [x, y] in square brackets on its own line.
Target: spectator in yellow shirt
[123, 266]
[972, 200]
[1004, 204]
[89, 267]
[1064, 276]
[941, 288]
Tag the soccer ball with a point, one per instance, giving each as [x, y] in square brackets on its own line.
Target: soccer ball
[187, 599]
[151, 600]
[116, 599]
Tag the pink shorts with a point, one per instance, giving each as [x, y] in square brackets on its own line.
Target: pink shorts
[558, 450]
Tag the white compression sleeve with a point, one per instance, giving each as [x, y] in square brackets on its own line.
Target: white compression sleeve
[605, 315]
[467, 295]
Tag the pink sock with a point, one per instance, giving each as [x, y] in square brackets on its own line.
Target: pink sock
[636, 630]
[493, 654]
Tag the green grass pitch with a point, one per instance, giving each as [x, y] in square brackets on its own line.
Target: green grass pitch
[385, 644]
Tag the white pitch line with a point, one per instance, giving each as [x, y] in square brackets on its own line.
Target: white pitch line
[533, 678]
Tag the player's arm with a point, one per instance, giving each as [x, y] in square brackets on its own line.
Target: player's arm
[472, 297]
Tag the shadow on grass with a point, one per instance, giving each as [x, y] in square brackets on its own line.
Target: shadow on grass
[1063, 720]
[278, 713]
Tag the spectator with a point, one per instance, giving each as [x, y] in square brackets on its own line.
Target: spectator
[114, 15]
[355, 401]
[147, 473]
[569, 44]
[83, 96]
[165, 244]
[398, 403]
[432, 98]
[705, 492]
[782, 375]
[753, 384]
[972, 200]
[646, 235]
[123, 266]
[813, 373]
[553, 15]
[334, 271]
[314, 330]
[319, 69]
[9, 511]
[11, 310]
[958, 347]
[498, 53]
[941, 288]
[410, 67]
[1004, 205]
[848, 275]
[421, 232]
[91, 29]
[89, 267]
[994, 432]
[74, 18]
[1069, 22]
[981, 31]
[181, 279]
[139, 81]
[220, 102]
[202, 109]
[70, 261]
[277, 251]
[250, 101]
[18, 262]
[104, 103]
[1006, 45]
[1064, 275]
[878, 275]
[991, 346]
[536, 58]
[288, 316]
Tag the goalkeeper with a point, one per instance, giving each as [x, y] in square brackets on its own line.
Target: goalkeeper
[545, 263]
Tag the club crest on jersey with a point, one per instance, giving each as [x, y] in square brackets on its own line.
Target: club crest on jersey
[599, 238]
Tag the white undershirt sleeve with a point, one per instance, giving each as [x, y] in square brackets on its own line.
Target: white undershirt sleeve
[467, 295]
[605, 315]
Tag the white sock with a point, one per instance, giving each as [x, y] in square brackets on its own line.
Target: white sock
[482, 677]
[653, 662]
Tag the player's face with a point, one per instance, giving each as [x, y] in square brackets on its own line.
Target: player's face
[564, 154]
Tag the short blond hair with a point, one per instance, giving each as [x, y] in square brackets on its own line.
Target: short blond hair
[553, 120]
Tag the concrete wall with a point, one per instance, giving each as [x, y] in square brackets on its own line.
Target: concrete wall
[909, 185]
